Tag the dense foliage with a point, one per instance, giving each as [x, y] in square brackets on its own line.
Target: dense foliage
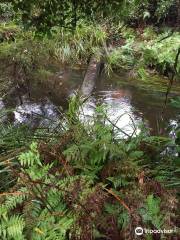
[46, 14]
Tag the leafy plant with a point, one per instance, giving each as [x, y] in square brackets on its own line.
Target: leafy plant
[155, 55]
[151, 212]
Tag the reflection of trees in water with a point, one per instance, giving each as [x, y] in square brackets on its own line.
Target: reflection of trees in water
[145, 104]
[36, 114]
[11, 101]
[121, 93]
[23, 107]
[37, 103]
[151, 108]
[58, 87]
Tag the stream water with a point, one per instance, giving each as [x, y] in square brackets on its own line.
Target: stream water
[127, 103]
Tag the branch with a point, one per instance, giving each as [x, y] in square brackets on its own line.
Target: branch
[172, 78]
[169, 35]
[118, 199]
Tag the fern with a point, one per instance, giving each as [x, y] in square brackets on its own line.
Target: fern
[12, 228]
[51, 229]
[31, 157]
[123, 216]
[151, 213]
[12, 201]
[118, 181]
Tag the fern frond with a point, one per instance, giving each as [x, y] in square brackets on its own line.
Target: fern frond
[12, 228]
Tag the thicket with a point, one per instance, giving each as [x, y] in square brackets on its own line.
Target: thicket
[44, 15]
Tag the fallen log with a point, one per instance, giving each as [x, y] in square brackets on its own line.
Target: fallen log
[93, 71]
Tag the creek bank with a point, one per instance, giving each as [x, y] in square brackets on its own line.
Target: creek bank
[142, 54]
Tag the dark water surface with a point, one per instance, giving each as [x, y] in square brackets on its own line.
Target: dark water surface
[136, 104]
[39, 104]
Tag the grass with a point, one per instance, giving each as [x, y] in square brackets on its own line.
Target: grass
[79, 45]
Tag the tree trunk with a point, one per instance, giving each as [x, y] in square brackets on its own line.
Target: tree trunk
[90, 78]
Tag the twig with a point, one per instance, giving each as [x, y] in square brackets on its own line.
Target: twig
[169, 35]
[118, 199]
[117, 127]
[13, 193]
[172, 78]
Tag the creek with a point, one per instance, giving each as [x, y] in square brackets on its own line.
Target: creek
[127, 103]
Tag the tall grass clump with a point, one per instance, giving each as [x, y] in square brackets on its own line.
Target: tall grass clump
[77, 46]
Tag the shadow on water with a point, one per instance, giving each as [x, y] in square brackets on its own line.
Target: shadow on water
[40, 104]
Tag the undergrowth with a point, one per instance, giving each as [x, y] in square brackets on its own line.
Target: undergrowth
[89, 183]
[146, 51]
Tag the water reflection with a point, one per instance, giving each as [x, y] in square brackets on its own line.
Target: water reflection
[36, 114]
[173, 126]
[40, 105]
[1, 104]
[118, 108]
